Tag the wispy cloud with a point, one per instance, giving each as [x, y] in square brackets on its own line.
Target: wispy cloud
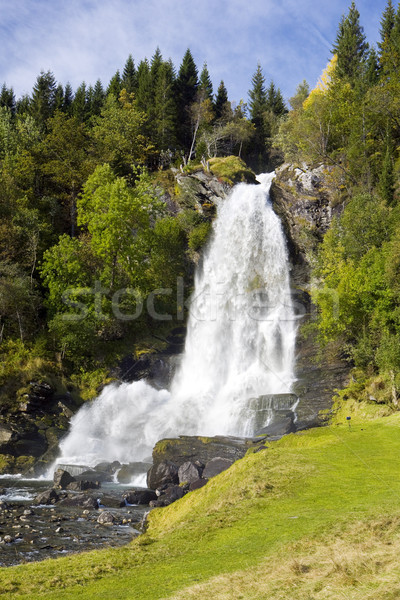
[89, 39]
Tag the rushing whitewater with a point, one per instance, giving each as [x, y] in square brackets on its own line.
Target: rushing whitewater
[239, 345]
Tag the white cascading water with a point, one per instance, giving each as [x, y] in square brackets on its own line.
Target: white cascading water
[239, 345]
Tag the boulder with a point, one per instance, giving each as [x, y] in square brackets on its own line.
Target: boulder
[62, 479]
[161, 474]
[108, 467]
[197, 484]
[46, 497]
[131, 470]
[139, 496]
[81, 500]
[82, 485]
[95, 476]
[215, 466]
[172, 493]
[111, 501]
[189, 472]
[282, 423]
[202, 449]
[106, 518]
[6, 435]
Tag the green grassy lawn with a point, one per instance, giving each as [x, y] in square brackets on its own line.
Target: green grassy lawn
[274, 518]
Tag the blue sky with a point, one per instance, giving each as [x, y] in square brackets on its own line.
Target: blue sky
[82, 40]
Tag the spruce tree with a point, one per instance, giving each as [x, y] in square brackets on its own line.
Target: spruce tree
[387, 178]
[129, 75]
[165, 108]
[155, 66]
[115, 85]
[43, 97]
[59, 98]
[80, 107]
[350, 47]
[7, 98]
[143, 92]
[372, 69]
[205, 82]
[68, 98]
[274, 100]
[220, 100]
[186, 88]
[387, 24]
[97, 100]
[258, 98]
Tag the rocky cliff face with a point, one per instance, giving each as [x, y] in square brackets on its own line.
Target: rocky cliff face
[305, 203]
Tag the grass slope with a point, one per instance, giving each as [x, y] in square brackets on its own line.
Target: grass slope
[316, 515]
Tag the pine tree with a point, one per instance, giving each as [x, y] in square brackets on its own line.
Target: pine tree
[59, 98]
[165, 108]
[80, 107]
[387, 24]
[275, 101]
[186, 88]
[68, 98]
[97, 100]
[115, 85]
[43, 97]
[220, 100]
[372, 69]
[129, 75]
[258, 98]
[302, 92]
[351, 47]
[387, 177]
[143, 92]
[155, 67]
[206, 83]
[7, 98]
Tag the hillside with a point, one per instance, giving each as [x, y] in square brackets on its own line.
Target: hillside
[315, 515]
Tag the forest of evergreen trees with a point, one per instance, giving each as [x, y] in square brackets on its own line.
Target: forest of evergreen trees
[79, 201]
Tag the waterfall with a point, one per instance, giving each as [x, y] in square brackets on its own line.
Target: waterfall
[239, 345]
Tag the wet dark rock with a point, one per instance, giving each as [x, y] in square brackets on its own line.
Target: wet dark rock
[106, 518]
[74, 470]
[111, 501]
[281, 424]
[189, 472]
[6, 436]
[46, 497]
[129, 471]
[173, 493]
[82, 485]
[97, 476]
[162, 473]
[215, 466]
[62, 479]
[201, 449]
[81, 500]
[139, 496]
[108, 467]
[3, 505]
[195, 485]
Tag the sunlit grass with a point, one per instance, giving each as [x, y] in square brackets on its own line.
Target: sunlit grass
[306, 511]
